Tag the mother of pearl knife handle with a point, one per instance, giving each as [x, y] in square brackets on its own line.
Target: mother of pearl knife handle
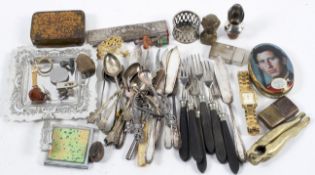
[223, 80]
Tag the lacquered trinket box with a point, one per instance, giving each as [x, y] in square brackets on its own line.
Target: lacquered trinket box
[58, 28]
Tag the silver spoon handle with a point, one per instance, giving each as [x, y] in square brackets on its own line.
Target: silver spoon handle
[238, 142]
[223, 80]
[132, 149]
[117, 83]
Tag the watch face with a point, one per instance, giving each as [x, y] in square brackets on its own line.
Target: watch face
[248, 98]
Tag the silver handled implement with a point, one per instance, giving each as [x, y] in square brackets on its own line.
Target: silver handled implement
[223, 80]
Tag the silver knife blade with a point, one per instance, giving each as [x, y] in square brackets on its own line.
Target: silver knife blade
[157, 63]
[157, 60]
[147, 61]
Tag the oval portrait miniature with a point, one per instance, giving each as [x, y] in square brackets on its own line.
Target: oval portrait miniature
[271, 70]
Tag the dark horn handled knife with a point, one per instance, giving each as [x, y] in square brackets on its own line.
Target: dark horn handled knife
[184, 149]
[195, 138]
[218, 137]
[230, 148]
[206, 123]
[202, 165]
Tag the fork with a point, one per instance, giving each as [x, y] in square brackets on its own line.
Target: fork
[208, 73]
[205, 113]
[203, 74]
[184, 151]
[197, 65]
[184, 72]
[196, 141]
[209, 79]
[215, 119]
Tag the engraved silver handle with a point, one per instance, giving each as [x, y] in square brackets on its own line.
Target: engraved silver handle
[238, 142]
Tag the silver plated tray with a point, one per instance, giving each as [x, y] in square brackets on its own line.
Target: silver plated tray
[22, 109]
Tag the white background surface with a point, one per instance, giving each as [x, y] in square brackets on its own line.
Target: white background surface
[288, 24]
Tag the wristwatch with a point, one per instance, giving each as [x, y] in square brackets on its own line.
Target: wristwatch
[249, 102]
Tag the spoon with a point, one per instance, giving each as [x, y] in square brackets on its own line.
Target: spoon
[111, 69]
[112, 66]
[102, 78]
[130, 72]
[158, 79]
[146, 77]
[136, 83]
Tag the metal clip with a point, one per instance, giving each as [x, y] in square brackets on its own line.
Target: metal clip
[271, 143]
[66, 85]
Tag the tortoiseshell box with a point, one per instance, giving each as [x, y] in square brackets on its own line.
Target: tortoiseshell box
[58, 28]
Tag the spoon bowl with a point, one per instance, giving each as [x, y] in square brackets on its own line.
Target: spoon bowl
[112, 66]
[136, 83]
[130, 72]
[146, 77]
[158, 79]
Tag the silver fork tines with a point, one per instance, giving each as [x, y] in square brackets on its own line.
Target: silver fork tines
[198, 71]
[184, 77]
[208, 73]
[184, 73]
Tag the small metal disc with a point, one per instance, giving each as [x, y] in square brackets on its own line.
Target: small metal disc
[59, 74]
[96, 152]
